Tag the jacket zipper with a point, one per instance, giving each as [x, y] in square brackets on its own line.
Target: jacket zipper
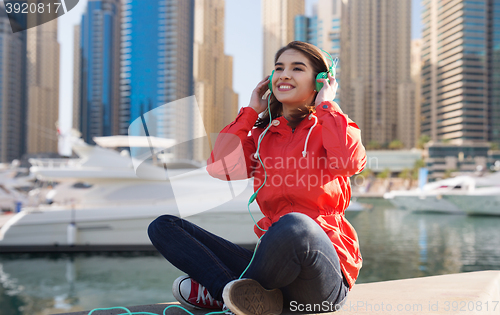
[283, 154]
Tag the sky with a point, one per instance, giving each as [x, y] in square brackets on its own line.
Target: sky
[243, 41]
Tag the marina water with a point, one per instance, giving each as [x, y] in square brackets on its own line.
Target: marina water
[395, 244]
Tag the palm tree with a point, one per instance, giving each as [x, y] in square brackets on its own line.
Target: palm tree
[396, 145]
[422, 141]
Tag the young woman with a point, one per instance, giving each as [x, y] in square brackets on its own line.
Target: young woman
[308, 257]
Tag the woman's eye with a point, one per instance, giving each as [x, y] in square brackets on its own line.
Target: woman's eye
[294, 69]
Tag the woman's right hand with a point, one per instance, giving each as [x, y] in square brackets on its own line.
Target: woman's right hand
[256, 101]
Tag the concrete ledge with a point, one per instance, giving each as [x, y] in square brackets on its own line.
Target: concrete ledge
[463, 293]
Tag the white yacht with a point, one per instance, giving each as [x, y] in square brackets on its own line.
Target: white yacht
[105, 200]
[449, 195]
[484, 199]
[15, 182]
[430, 197]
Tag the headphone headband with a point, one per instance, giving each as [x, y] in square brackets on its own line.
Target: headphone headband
[333, 61]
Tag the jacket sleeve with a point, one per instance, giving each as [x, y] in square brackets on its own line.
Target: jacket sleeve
[231, 157]
[342, 141]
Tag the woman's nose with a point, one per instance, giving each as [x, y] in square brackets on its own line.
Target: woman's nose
[285, 74]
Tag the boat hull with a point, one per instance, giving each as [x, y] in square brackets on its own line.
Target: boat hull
[480, 202]
[425, 203]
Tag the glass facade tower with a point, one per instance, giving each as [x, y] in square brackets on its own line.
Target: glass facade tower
[322, 29]
[100, 60]
[13, 87]
[306, 29]
[156, 60]
[460, 72]
[494, 70]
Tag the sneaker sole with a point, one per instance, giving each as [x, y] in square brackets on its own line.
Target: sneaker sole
[248, 297]
[176, 291]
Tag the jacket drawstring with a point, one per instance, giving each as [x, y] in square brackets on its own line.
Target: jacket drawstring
[304, 153]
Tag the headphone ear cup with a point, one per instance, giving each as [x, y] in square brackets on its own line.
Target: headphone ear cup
[270, 84]
[321, 75]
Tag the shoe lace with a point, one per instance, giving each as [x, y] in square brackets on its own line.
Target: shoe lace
[204, 297]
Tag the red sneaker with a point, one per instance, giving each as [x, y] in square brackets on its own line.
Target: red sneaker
[193, 295]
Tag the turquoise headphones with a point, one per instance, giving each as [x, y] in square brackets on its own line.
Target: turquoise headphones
[321, 75]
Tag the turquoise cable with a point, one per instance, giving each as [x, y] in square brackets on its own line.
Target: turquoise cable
[122, 308]
[254, 195]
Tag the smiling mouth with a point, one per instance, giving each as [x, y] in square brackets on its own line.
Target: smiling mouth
[285, 87]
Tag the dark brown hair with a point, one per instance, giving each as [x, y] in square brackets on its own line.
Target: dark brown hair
[318, 63]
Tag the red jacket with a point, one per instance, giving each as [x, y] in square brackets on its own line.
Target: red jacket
[315, 183]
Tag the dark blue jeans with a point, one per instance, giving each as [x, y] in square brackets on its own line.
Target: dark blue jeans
[295, 255]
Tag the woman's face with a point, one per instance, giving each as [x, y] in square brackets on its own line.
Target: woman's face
[293, 79]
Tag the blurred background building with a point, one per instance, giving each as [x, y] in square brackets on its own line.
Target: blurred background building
[322, 29]
[43, 88]
[306, 28]
[278, 18]
[77, 77]
[460, 76]
[493, 53]
[165, 55]
[375, 60]
[157, 68]
[13, 88]
[100, 69]
[413, 134]
[213, 75]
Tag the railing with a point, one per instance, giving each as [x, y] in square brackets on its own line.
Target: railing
[55, 163]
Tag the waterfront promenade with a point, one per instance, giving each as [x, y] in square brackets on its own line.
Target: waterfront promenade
[462, 293]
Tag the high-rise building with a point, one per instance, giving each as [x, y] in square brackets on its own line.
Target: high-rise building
[375, 57]
[493, 54]
[408, 111]
[329, 14]
[157, 67]
[43, 87]
[322, 29]
[213, 72]
[306, 29]
[13, 96]
[416, 72]
[100, 69]
[77, 79]
[278, 18]
[460, 76]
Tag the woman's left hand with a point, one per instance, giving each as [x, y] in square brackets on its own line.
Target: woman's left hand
[328, 91]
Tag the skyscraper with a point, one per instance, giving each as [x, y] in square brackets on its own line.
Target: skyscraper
[77, 79]
[43, 87]
[375, 56]
[323, 31]
[213, 72]
[100, 69]
[329, 14]
[156, 63]
[460, 77]
[306, 29]
[278, 17]
[12, 89]
[416, 72]
[494, 70]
